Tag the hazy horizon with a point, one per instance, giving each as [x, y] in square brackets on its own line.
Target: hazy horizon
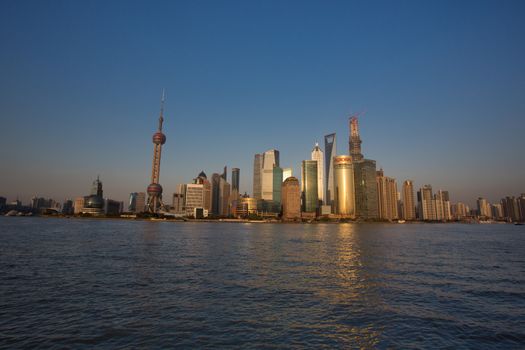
[442, 84]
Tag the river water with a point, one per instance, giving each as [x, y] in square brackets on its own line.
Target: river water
[85, 283]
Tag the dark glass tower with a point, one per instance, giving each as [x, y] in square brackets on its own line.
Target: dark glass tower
[235, 179]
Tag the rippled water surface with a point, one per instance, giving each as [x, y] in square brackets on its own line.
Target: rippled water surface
[68, 283]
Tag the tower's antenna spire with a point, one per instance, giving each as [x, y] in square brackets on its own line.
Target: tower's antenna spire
[161, 117]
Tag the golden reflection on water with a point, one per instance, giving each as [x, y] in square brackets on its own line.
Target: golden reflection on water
[353, 288]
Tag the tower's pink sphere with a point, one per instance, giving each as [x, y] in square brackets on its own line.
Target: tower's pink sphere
[154, 188]
[159, 138]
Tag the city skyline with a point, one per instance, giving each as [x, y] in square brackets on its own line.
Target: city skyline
[453, 121]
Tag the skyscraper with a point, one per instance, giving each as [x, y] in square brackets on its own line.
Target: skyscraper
[202, 179]
[344, 196]
[521, 206]
[317, 155]
[287, 172]
[354, 143]
[154, 203]
[484, 209]
[330, 150]
[510, 208]
[309, 185]
[137, 202]
[409, 206]
[291, 199]
[366, 189]
[426, 204]
[387, 196]
[215, 193]
[257, 179]
[235, 179]
[364, 176]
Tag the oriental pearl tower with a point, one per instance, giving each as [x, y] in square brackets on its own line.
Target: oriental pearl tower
[154, 204]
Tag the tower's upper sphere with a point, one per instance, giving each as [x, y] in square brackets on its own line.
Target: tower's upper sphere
[154, 188]
[159, 138]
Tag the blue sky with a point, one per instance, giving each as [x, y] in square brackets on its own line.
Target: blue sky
[442, 84]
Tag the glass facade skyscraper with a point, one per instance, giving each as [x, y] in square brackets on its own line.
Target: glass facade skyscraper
[329, 154]
[309, 185]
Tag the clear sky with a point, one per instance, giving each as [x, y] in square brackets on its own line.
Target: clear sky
[442, 83]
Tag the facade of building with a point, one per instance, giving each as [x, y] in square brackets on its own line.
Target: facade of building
[484, 209]
[177, 205]
[236, 172]
[354, 144]
[137, 202]
[460, 211]
[510, 209]
[521, 207]
[318, 155]
[94, 203]
[224, 197]
[112, 207]
[291, 199]
[426, 210]
[287, 172]
[193, 198]
[79, 205]
[268, 178]
[309, 187]
[257, 176]
[442, 206]
[270, 161]
[497, 211]
[344, 195]
[366, 199]
[409, 205]
[67, 207]
[330, 151]
[366, 189]
[245, 206]
[386, 196]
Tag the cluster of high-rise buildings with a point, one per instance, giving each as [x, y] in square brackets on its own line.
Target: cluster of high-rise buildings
[334, 185]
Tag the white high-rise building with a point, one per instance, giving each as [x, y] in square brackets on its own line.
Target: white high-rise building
[317, 154]
[287, 172]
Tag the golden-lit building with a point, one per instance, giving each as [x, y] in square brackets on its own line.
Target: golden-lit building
[344, 186]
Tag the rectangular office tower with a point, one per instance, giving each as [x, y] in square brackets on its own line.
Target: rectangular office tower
[387, 196]
[409, 205]
[267, 179]
[309, 186]
[366, 189]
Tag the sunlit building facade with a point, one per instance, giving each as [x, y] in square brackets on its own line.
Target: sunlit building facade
[318, 156]
[291, 199]
[409, 206]
[386, 196]
[344, 196]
